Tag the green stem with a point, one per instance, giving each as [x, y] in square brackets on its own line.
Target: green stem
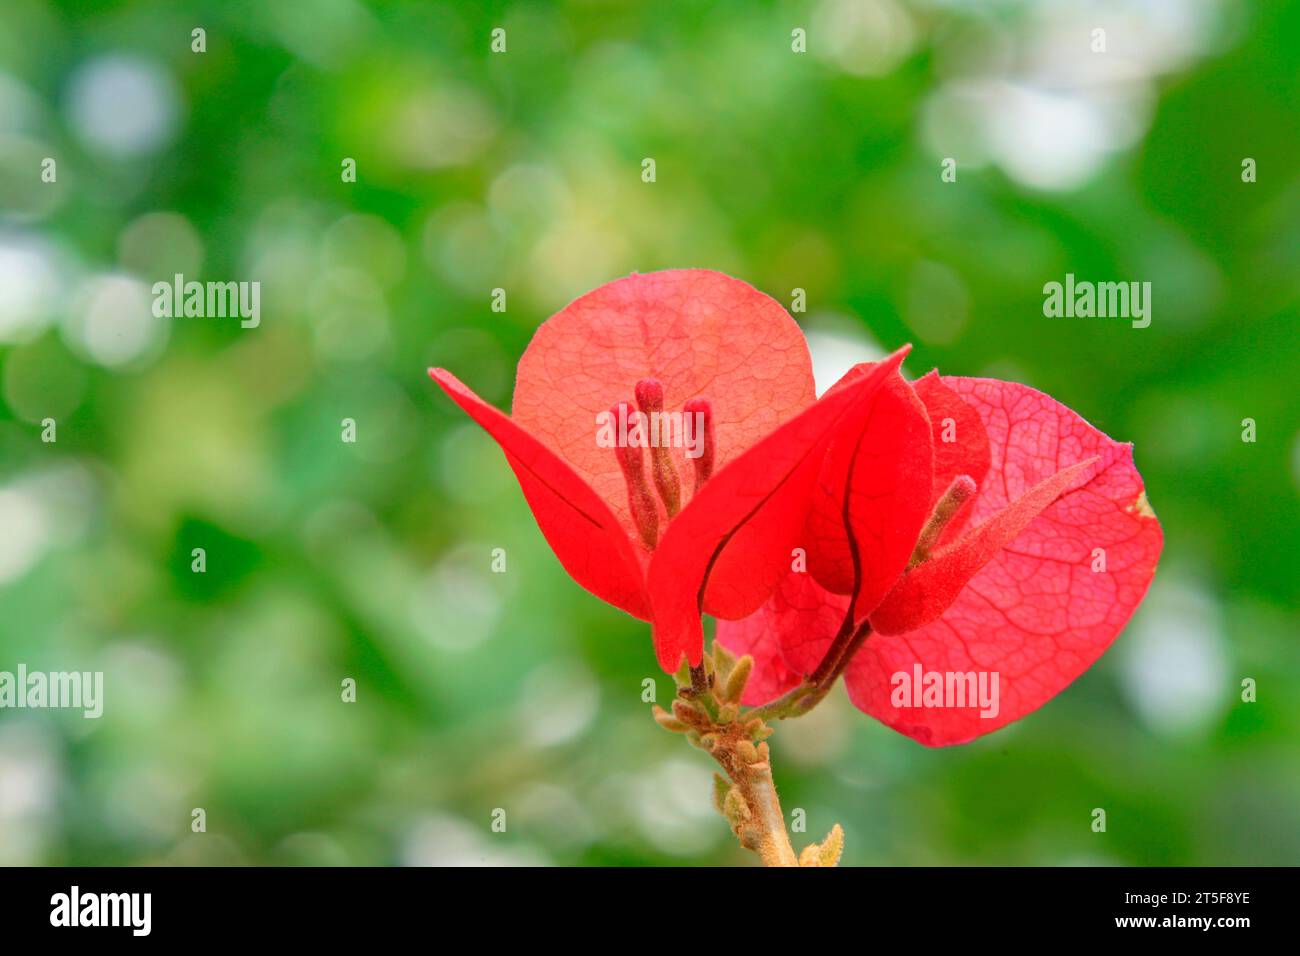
[800, 700]
[706, 713]
[850, 648]
[789, 704]
[765, 831]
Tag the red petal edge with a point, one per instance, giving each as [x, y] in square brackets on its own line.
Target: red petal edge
[1037, 614]
[700, 333]
[780, 470]
[580, 528]
[873, 497]
[961, 444]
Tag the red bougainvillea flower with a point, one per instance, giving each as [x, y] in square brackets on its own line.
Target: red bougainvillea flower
[665, 435]
[971, 551]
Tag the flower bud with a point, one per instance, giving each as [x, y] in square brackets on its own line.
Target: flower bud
[698, 423]
[641, 503]
[650, 399]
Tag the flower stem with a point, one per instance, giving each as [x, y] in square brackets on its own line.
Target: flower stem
[761, 823]
[841, 651]
[845, 654]
[800, 700]
[706, 710]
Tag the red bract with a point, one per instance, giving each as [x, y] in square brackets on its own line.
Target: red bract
[873, 494]
[653, 530]
[1038, 546]
[738, 536]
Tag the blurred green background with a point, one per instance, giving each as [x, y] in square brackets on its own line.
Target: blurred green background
[522, 171]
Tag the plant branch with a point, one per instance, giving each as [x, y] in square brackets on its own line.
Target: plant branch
[751, 805]
[800, 700]
[838, 654]
[792, 703]
[850, 648]
[706, 710]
